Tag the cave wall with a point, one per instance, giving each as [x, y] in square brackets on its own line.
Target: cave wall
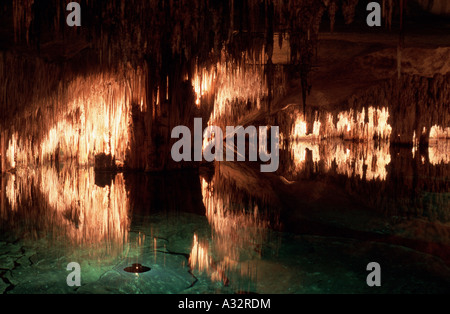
[400, 111]
[415, 105]
[120, 83]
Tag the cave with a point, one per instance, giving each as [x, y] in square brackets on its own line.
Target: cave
[351, 118]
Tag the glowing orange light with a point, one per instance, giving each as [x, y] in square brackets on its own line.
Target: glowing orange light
[101, 212]
[234, 232]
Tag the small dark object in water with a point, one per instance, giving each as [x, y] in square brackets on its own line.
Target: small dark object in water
[137, 268]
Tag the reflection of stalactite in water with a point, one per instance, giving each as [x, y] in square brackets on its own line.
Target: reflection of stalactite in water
[68, 205]
[12, 192]
[238, 233]
[415, 187]
[439, 145]
[199, 257]
[365, 161]
[439, 152]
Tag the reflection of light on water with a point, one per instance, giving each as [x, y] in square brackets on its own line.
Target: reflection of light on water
[231, 222]
[102, 211]
[439, 145]
[374, 160]
[12, 192]
[439, 152]
[298, 153]
[17, 186]
[135, 250]
[363, 160]
[199, 257]
[237, 236]
[77, 209]
[355, 160]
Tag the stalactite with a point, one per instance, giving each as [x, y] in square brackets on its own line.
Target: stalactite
[22, 15]
[89, 115]
[348, 10]
[159, 42]
[332, 8]
[387, 9]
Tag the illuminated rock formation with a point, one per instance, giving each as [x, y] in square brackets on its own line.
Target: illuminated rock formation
[134, 70]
